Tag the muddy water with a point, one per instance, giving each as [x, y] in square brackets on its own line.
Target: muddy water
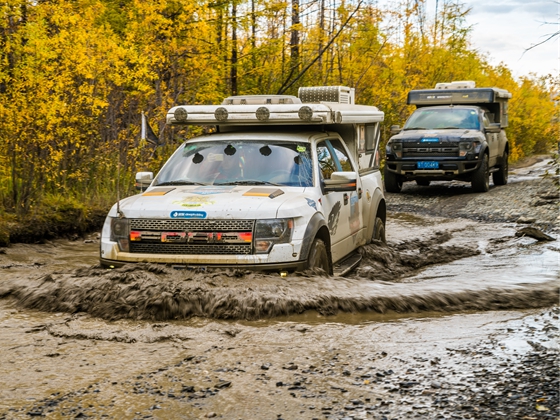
[146, 341]
[448, 265]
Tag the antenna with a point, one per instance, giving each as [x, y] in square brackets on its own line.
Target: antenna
[119, 212]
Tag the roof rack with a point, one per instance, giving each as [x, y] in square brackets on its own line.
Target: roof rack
[315, 105]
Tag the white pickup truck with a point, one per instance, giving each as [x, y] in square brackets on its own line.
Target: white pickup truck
[284, 183]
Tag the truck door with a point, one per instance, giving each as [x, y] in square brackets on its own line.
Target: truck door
[492, 139]
[369, 138]
[341, 208]
[368, 147]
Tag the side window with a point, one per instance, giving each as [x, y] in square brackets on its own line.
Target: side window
[372, 135]
[485, 120]
[333, 158]
[341, 156]
[327, 164]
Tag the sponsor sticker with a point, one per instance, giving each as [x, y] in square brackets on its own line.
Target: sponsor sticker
[185, 214]
[311, 203]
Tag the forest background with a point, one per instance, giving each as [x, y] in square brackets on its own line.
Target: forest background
[76, 75]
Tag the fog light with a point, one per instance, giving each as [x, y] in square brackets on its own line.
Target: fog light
[262, 247]
[123, 245]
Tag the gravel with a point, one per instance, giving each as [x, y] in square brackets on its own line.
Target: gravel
[532, 202]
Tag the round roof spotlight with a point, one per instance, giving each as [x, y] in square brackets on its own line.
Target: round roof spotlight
[221, 114]
[263, 114]
[181, 114]
[305, 113]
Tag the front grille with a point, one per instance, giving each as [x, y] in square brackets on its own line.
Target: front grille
[196, 225]
[435, 151]
[152, 230]
[189, 249]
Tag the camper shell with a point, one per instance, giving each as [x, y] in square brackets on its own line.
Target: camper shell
[457, 132]
[305, 190]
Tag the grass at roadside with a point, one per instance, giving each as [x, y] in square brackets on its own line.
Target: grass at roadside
[55, 217]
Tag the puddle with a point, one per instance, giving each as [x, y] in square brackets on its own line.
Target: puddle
[430, 264]
[447, 300]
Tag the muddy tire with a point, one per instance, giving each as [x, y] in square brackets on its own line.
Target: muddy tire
[393, 182]
[423, 182]
[480, 181]
[501, 176]
[318, 256]
[379, 231]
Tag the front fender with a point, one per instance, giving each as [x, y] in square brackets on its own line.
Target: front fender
[378, 208]
[316, 222]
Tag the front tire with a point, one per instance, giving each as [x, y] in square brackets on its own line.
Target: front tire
[393, 182]
[501, 176]
[379, 230]
[480, 181]
[318, 256]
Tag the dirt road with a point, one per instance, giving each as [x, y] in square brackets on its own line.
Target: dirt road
[457, 317]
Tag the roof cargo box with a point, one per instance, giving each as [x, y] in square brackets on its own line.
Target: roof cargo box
[464, 93]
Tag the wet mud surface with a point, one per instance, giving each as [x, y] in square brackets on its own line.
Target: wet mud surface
[454, 318]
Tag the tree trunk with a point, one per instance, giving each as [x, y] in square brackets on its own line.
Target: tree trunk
[234, 49]
[294, 40]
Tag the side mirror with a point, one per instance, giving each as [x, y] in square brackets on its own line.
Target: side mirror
[341, 181]
[494, 128]
[143, 180]
[395, 129]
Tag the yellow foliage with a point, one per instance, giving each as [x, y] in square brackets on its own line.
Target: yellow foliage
[76, 75]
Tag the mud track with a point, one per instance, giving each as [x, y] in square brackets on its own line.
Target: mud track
[455, 318]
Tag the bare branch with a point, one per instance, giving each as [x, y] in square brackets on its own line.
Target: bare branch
[555, 34]
[287, 85]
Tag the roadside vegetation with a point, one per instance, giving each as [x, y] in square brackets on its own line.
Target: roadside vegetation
[76, 76]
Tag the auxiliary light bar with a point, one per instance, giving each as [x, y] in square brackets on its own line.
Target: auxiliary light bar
[316, 105]
[274, 114]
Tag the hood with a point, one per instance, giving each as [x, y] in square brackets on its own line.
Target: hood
[214, 202]
[439, 136]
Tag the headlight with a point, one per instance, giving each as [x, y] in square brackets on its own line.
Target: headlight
[120, 232]
[272, 231]
[395, 148]
[467, 147]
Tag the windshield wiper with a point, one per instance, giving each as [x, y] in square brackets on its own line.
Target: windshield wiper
[415, 128]
[179, 182]
[449, 128]
[248, 182]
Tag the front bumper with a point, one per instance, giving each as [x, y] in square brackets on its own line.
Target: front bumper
[269, 267]
[448, 169]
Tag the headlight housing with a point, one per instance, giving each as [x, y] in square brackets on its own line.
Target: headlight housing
[120, 232]
[466, 147]
[272, 231]
[395, 148]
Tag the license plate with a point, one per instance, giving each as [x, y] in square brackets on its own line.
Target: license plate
[427, 164]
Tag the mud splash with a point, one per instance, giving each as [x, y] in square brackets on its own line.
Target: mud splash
[388, 280]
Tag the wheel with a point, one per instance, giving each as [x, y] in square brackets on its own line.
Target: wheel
[501, 176]
[393, 182]
[318, 256]
[379, 230]
[480, 181]
[423, 182]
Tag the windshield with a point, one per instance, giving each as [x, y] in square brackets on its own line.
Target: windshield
[429, 119]
[239, 163]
